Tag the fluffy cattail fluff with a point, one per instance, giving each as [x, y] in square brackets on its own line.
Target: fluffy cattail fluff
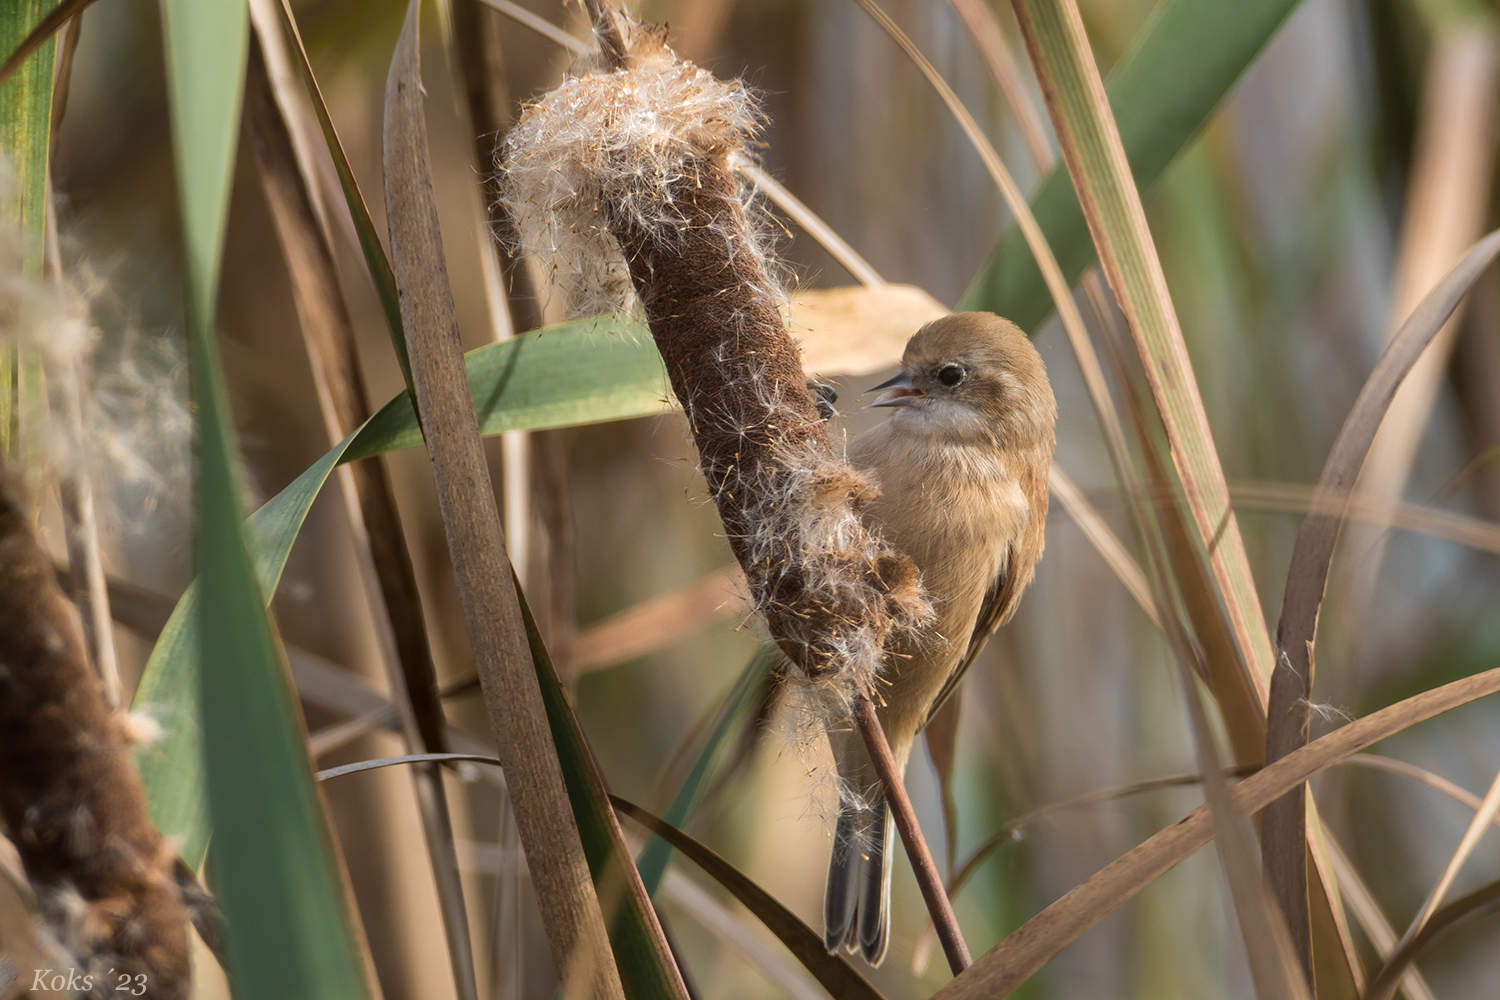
[622, 178]
[70, 797]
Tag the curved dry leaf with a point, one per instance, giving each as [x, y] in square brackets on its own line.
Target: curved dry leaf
[1283, 827]
[858, 330]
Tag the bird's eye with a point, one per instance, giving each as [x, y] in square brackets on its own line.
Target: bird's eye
[951, 375]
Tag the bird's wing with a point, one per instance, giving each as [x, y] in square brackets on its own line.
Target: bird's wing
[1002, 599]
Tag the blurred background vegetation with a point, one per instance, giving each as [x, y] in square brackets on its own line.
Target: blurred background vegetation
[1279, 229]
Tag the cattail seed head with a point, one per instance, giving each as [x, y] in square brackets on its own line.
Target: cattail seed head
[623, 181]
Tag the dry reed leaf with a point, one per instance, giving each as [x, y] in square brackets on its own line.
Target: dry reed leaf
[858, 330]
[1283, 827]
[565, 891]
[1014, 960]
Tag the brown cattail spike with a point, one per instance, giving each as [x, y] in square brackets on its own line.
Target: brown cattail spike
[624, 179]
[70, 797]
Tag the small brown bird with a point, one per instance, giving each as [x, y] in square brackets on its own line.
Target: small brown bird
[963, 467]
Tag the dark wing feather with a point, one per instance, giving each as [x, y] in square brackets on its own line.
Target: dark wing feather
[1003, 598]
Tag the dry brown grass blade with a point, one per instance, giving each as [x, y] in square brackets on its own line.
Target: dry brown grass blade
[1448, 193]
[1434, 781]
[939, 906]
[549, 835]
[1283, 827]
[1014, 960]
[369, 497]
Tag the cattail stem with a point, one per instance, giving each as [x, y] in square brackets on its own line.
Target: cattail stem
[928, 877]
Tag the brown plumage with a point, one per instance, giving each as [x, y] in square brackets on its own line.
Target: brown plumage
[963, 467]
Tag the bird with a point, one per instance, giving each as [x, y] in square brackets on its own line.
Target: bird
[962, 465]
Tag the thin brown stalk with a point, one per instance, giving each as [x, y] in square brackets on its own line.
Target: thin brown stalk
[1472, 532]
[928, 877]
[369, 497]
[60, 15]
[62, 78]
[476, 543]
[655, 623]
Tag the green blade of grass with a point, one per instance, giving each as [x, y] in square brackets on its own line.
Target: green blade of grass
[289, 931]
[26, 119]
[1183, 63]
[582, 372]
[25, 140]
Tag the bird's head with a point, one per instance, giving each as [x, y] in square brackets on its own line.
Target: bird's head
[974, 375]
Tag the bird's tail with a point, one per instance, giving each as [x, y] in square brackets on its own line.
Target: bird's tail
[857, 900]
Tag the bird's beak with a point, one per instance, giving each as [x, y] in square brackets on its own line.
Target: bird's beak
[900, 391]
